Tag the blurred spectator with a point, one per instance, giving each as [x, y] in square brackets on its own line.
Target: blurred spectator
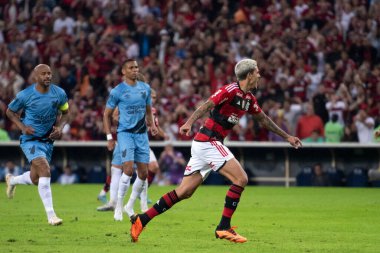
[64, 23]
[282, 123]
[172, 164]
[67, 176]
[319, 177]
[4, 136]
[319, 103]
[350, 133]
[291, 113]
[365, 127]
[377, 134]
[337, 107]
[334, 130]
[315, 137]
[308, 123]
[9, 168]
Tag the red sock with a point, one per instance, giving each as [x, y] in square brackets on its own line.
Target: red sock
[106, 186]
[151, 176]
[230, 205]
[165, 203]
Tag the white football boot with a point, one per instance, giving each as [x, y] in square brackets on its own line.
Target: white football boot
[55, 221]
[10, 188]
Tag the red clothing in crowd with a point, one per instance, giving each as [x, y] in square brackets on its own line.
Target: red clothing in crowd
[307, 124]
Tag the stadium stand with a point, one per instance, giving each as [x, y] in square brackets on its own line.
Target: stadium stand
[305, 177]
[309, 52]
[357, 178]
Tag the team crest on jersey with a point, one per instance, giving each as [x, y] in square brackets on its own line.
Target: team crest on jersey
[143, 94]
[242, 104]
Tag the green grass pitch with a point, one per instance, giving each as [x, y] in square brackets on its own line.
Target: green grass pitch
[274, 219]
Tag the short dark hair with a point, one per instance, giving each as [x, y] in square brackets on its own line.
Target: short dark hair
[126, 61]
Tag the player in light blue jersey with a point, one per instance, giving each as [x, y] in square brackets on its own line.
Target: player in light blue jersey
[44, 112]
[132, 97]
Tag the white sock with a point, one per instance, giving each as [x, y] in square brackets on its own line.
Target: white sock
[102, 192]
[144, 196]
[137, 188]
[114, 186]
[45, 193]
[123, 188]
[22, 179]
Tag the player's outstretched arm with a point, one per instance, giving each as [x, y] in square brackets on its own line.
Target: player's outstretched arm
[198, 113]
[15, 118]
[273, 127]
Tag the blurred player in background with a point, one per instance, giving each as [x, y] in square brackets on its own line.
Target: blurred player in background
[45, 110]
[132, 97]
[153, 167]
[226, 106]
[112, 183]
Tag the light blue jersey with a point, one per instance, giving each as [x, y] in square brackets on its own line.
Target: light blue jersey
[132, 136]
[39, 110]
[132, 102]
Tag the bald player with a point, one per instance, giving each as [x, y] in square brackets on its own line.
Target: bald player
[44, 110]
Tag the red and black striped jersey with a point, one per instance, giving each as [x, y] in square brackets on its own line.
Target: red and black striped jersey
[231, 103]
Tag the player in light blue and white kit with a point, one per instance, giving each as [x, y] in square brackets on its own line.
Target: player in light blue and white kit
[44, 112]
[132, 97]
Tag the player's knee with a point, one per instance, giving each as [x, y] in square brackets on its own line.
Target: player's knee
[45, 172]
[128, 171]
[34, 179]
[153, 167]
[142, 174]
[42, 168]
[187, 194]
[242, 181]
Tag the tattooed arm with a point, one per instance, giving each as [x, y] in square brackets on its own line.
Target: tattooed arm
[198, 113]
[273, 127]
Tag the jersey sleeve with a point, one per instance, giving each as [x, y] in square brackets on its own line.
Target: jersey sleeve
[221, 95]
[254, 108]
[113, 99]
[17, 103]
[63, 103]
[148, 98]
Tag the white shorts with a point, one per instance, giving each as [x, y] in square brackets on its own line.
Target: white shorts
[152, 157]
[207, 156]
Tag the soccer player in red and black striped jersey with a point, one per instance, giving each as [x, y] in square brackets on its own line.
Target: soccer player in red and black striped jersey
[226, 106]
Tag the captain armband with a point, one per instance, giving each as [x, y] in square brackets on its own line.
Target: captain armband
[64, 107]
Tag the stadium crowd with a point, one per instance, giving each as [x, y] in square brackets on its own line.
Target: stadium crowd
[319, 60]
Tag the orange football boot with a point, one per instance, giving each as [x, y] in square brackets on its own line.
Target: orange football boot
[230, 235]
[136, 227]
